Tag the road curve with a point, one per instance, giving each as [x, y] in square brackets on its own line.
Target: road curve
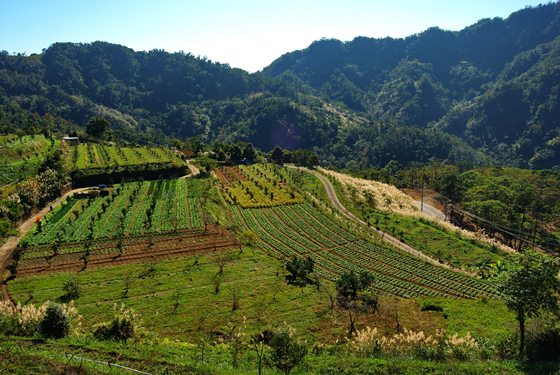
[430, 210]
[384, 236]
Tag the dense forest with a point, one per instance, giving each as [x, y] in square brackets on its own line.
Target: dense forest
[487, 94]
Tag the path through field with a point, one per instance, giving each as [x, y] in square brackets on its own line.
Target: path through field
[385, 236]
[8, 247]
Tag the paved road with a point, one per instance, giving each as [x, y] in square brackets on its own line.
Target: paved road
[385, 236]
[431, 210]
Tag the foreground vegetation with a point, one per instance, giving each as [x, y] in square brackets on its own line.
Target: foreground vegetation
[189, 321]
[49, 357]
[220, 308]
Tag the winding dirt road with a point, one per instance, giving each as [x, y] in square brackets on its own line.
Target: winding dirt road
[385, 236]
[430, 210]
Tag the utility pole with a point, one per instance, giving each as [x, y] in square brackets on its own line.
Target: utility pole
[422, 196]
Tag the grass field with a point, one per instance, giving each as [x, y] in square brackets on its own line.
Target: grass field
[264, 298]
[24, 356]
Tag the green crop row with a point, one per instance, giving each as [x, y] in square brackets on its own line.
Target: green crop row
[301, 230]
[134, 208]
[91, 155]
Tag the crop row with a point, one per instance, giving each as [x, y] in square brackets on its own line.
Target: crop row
[301, 230]
[249, 186]
[130, 209]
[91, 155]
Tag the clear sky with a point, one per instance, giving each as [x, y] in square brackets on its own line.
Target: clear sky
[246, 34]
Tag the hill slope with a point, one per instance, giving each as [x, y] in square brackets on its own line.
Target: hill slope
[485, 93]
[494, 84]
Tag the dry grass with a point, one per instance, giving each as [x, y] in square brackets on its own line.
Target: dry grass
[387, 198]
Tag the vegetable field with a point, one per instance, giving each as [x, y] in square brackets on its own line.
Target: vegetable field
[91, 155]
[301, 230]
[259, 185]
[135, 208]
[126, 223]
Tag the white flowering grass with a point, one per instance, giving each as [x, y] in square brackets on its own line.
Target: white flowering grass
[387, 198]
[24, 320]
[369, 342]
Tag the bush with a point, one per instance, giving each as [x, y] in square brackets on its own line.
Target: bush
[544, 344]
[55, 323]
[124, 326]
[72, 289]
[507, 348]
[427, 306]
[286, 352]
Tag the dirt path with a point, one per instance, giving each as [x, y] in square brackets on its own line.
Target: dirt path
[432, 207]
[385, 236]
[8, 247]
[193, 168]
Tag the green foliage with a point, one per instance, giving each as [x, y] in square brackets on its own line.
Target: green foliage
[277, 155]
[97, 127]
[529, 287]
[72, 289]
[349, 284]
[300, 271]
[352, 296]
[286, 352]
[55, 323]
[125, 325]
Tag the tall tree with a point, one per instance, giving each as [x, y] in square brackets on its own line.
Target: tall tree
[530, 287]
[97, 127]
[300, 272]
[352, 295]
[277, 155]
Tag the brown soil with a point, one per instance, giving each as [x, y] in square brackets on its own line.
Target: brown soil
[135, 251]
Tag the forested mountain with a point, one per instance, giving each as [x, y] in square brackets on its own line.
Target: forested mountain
[488, 93]
[494, 84]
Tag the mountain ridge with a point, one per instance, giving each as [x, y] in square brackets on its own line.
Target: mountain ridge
[438, 94]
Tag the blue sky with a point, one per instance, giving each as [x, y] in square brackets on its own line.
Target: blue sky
[247, 34]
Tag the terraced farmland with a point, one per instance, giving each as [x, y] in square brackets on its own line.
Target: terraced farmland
[259, 185]
[301, 230]
[76, 256]
[133, 221]
[91, 155]
[136, 208]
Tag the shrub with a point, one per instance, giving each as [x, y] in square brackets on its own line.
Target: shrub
[428, 306]
[286, 352]
[125, 325]
[72, 289]
[55, 323]
[368, 342]
[20, 320]
[543, 344]
[507, 348]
